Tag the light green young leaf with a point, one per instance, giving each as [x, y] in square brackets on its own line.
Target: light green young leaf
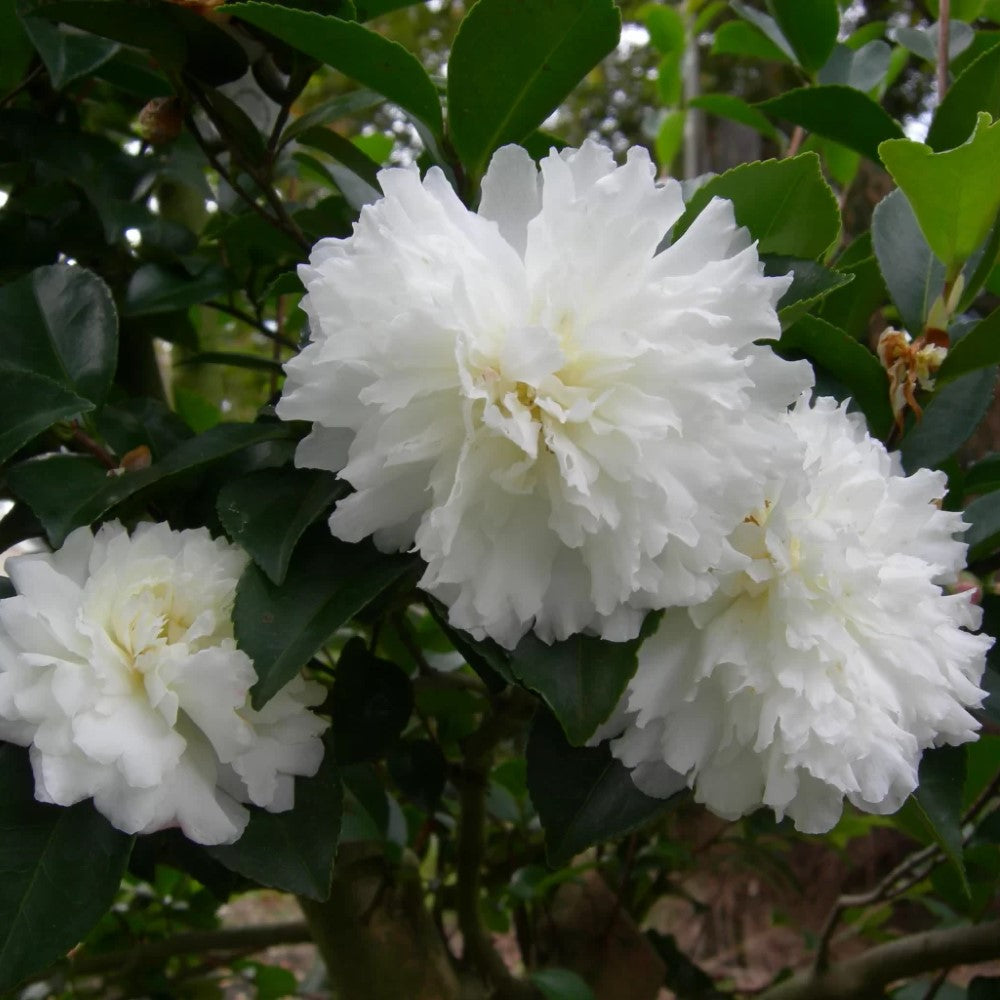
[954, 195]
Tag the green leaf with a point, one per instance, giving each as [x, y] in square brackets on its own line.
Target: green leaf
[786, 204]
[358, 52]
[937, 802]
[367, 9]
[251, 362]
[293, 851]
[581, 679]
[420, 770]
[67, 491]
[923, 42]
[850, 308]
[735, 109]
[983, 475]
[983, 516]
[267, 511]
[59, 321]
[863, 69]
[347, 105]
[764, 23]
[811, 282]
[180, 39]
[59, 872]
[849, 362]
[979, 348]
[582, 794]
[327, 583]
[514, 61]
[156, 288]
[810, 27]
[949, 419]
[67, 56]
[669, 138]
[343, 150]
[371, 704]
[835, 112]
[490, 660]
[665, 26]
[975, 90]
[29, 404]
[913, 275]
[738, 38]
[956, 225]
[561, 984]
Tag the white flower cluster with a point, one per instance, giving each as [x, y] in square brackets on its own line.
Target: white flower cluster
[119, 670]
[564, 422]
[573, 425]
[827, 663]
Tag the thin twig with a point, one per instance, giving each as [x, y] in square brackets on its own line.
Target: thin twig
[89, 445]
[237, 939]
[245, 317]
[23, 85]
[794, 144]
[478, 751]
[944, 29]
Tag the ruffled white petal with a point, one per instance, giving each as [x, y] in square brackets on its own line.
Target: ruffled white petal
[119, 669]
[566, 424]
[823, 667]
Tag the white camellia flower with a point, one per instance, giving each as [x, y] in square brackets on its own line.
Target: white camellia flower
[826, 665]
[566, 423]
[118, 668]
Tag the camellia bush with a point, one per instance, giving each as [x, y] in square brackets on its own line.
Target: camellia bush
[424, 494]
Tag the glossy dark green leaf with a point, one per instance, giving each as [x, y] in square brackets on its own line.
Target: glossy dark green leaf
[59, 321]
[487, 658]
[954, 227]
[156, 288]
[850, 308]
[514, 61]
[358, 52]
[983, 475]
[59, 872]
[810, 27]
[953, 413]
[984, 988]
[335, 145]
[251, 362]
[735, 109]
[849, 362]
[786, 204]
[561, 984]
[16, 50]
[371, 704]
[581, 679]
[582, 794]
[31, 403]
[67, 491]
[327, 583]
[293, 851]
[67, 55]
[348, 105]
[983, 514]
[811, 282]
[267, 511]
[975, 90]
[835, 112]
[937, 802]
[979, 348]
[913, 275]
[16, 525]
[740, 38]
[179, 38]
